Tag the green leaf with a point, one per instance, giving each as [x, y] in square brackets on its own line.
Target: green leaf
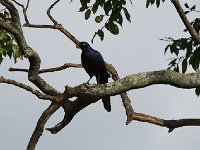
[2, 36]
[16, 54]
[148, 2]
[1, 58]
[100, 34]
[186, 5]
[186, 12]
[193, 7]
[107, 7]
[173, 48]
[194, 61]
[84, 3]
[112, 27]
[166, 48]
[116, 16]
[184, 65]
[128, 17]
[157, 3]
[94, 8]
[98, 19]
[82, 9]
[197, 91]
[87, 14]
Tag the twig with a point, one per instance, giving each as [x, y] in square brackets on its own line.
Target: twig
[49, 12]
[28, 88]
[67, 65]
[187, 24]
[55, 25]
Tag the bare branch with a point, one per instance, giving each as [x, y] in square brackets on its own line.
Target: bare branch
[136, 81]
[49, 12]
[40, 125]
[187, 24]
[170, 124]
[125, 99]
[55, 25]
[28, 88]
[66, 65]
[19, 4]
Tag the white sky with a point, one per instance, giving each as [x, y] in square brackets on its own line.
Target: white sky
[136, 49]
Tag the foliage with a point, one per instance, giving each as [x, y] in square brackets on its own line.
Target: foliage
[8, 46]
[151, 2]
[113, 13]
[186, 50]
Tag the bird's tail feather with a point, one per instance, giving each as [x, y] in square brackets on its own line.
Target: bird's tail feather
[106, 103]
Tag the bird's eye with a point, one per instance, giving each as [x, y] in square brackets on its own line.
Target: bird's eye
[84, 44]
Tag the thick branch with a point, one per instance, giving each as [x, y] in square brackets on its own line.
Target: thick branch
[40, 125]
[136, 81]
[187, 24]
[88, 94]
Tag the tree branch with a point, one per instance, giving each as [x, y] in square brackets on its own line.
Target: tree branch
[125, 99]
[28, 88]
[170, 124]
[187, 24]
[40, 125]
[91, 93]
[66, 65]
[55, 25]
[136, 81]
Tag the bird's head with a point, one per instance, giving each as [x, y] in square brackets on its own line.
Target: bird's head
[83, 45]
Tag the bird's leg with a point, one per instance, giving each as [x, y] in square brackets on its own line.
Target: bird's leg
[89, 80]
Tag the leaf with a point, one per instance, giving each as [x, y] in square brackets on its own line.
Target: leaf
[148, 2]
[98, 19]
[100, 34]
[157, 3]
[84, 2]
[186, 12]
[173, 48]
[194, 61]
[128, 17]
[2, 36]
[186, 5]
[15, 49]
[184, 65]
[87, 14]
[117, 17]
[166, 48]
[112, 27]
[1, 58]
[94, 8]
[197, 91]
[193, 7]
[107, 7]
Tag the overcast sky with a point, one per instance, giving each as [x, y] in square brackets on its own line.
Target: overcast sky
[136, 49]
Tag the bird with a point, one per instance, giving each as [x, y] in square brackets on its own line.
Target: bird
[94, 64]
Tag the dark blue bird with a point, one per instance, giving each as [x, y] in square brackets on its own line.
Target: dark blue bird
[94, 65]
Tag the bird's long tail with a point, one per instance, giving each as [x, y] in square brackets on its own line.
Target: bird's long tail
[106, 103]
[106, 100]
